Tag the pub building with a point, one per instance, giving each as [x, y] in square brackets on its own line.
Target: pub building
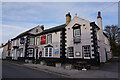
[76, 40]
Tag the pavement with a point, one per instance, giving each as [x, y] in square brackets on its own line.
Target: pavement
[107, 70]
[73, 73]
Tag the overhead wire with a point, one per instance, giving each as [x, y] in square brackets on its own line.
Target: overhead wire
[102, 9]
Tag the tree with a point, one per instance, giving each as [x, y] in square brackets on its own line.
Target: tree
[113, 33]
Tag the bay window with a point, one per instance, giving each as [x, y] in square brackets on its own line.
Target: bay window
[48, 51]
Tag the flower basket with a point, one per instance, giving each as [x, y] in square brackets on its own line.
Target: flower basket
[68, 66]
[42, 62]
[58, 65]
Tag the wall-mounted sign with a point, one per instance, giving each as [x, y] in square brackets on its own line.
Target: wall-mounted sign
[22, 40]
[43, 39]
[56, 53]
[78, 54]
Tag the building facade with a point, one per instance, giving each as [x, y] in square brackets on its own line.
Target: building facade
[77, 39]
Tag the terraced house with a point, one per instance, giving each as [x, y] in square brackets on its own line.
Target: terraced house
[78, 39]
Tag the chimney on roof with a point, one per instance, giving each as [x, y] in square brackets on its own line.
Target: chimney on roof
[99, 20]
[42, 27]
[99, 23]
[68, 18]
[99, 15]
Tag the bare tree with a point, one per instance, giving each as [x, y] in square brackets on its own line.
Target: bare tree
[113, 33]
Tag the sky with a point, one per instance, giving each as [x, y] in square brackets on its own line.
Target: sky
[18, 17]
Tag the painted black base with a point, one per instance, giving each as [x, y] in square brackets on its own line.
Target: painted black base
[66, 60]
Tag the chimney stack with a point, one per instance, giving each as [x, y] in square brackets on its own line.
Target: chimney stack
[99, 21]
[99, 15]
[68, 18]
[42, 27]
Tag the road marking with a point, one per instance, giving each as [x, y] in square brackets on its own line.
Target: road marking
[43, 70]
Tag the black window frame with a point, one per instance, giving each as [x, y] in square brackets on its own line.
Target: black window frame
[83, 50]
[69, 52]
[76, 26]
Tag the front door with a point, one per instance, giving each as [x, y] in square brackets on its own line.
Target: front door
[37, 54]
[106, 55]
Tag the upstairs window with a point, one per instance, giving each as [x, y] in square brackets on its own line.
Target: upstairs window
[77, 32]
[31, 41]
[49, 38]
[37, 41]
[37, 30]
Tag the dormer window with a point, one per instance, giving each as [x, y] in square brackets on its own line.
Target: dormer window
[76, 33]
[36, 30]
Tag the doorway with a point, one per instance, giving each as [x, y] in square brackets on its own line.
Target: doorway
[37, 57]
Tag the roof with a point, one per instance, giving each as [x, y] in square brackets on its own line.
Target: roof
[94, 25]
[57, 28]
[105, 34]
[24, 33]
[54, 29]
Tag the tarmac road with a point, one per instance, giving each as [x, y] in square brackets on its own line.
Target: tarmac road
[10, 70]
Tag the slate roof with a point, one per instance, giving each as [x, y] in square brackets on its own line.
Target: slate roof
[57, 28]
[54, 29]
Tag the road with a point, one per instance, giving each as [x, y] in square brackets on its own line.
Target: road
[10, 70]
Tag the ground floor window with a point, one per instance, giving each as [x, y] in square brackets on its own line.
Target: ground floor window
[86, 51]
[70, 52]
[48, 51]
[21, 52]
[30, 52]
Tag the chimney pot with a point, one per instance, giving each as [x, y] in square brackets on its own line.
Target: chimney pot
[42, 27]
[68, 18]
[99, 14]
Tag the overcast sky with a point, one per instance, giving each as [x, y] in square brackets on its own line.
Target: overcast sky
[18, 17]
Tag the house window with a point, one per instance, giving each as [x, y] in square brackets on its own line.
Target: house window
[76, 32]
[86, 51]
[13, 43]
[36, 30]
[48, 51]
[38, 41]
[30, 52]
[17, 42]
[70, 52]
[49, 38]
[21, 52]
[31, 41]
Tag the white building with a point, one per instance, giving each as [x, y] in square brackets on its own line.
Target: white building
[77, 39]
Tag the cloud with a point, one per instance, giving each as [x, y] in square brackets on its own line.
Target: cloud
[26, 15]
[60, 1]
[9, 32]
